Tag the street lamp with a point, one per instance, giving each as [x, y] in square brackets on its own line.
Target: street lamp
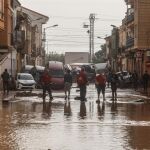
[44, 32]
[113, 26]
[100, 37]
[44, 35]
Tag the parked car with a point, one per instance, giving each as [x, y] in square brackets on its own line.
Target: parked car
[36, 72]
[124, 78]
[56, 70]
[25, 81]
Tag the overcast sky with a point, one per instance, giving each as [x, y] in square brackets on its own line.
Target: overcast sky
[70, 15]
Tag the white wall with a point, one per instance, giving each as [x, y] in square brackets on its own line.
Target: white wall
[76, 57]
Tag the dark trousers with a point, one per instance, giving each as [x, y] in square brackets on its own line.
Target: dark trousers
[99, 89]
[145, 85]
[48, 89]
[82, 92]
[114, 91]
[114, 95]
[6, 86]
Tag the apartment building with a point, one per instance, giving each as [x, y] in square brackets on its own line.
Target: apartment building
[6, 48]
[137, 22]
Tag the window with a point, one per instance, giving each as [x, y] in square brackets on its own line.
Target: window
[1, 9]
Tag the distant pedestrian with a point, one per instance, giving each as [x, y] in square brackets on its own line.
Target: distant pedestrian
[145, 79]
[109, 79]
[46, 84]
[82, 83]
[100, 82]
[68, 83]
[34, 72]
[114, 82]
[135, 80]
[5, 77]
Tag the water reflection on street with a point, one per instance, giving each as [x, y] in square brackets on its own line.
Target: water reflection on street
[74, 125]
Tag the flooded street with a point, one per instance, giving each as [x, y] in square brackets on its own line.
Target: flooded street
[27, 124]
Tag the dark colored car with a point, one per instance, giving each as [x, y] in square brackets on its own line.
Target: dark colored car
[56, 70]
[124, 78]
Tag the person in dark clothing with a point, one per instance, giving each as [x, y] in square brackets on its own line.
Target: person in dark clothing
[33, 71]
[114, 81]
[46, 84]
[145, 79]
[108, 79]
[5, 77]
[68, 83]
[82, 83]
[135, 80]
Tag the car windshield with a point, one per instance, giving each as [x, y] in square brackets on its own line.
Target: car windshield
[25, 77]
[57, 73]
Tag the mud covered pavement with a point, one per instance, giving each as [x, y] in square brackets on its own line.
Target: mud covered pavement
[28, 124]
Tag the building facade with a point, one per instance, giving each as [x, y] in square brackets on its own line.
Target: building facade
[7, 51]
[138, 35]
[1, 15]
[37, 48]
[130, 43]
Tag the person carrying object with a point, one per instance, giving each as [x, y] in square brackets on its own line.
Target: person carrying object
[46, 84]
[82, 82]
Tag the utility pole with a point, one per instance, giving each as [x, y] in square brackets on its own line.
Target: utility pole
[91, 36]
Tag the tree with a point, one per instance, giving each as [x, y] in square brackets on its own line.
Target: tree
[100, 55]
[53, 56]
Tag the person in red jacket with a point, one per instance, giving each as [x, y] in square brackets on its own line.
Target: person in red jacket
[46, 84]
[82, 83]
[100, 82]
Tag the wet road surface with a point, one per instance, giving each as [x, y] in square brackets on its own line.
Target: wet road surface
[28, 124]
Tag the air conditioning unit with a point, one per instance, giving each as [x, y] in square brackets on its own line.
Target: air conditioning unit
[148, 53]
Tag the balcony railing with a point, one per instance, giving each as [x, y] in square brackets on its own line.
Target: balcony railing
[130, 18]
[129, 2]
[129, 42]
[19, 40]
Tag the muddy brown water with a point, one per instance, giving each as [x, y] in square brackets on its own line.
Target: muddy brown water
[74, 125]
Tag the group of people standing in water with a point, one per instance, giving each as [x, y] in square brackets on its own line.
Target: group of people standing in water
[100, 83]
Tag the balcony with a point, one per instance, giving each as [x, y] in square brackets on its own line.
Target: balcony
[19, 40]
[130, 18]
[129, 2]
[129, 42]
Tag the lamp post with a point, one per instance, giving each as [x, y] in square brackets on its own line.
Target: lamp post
[113, 26]
[44, 36]
[44, 33]
[91, 35]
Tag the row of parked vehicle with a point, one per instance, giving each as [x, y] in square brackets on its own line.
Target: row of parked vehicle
[29, 78]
